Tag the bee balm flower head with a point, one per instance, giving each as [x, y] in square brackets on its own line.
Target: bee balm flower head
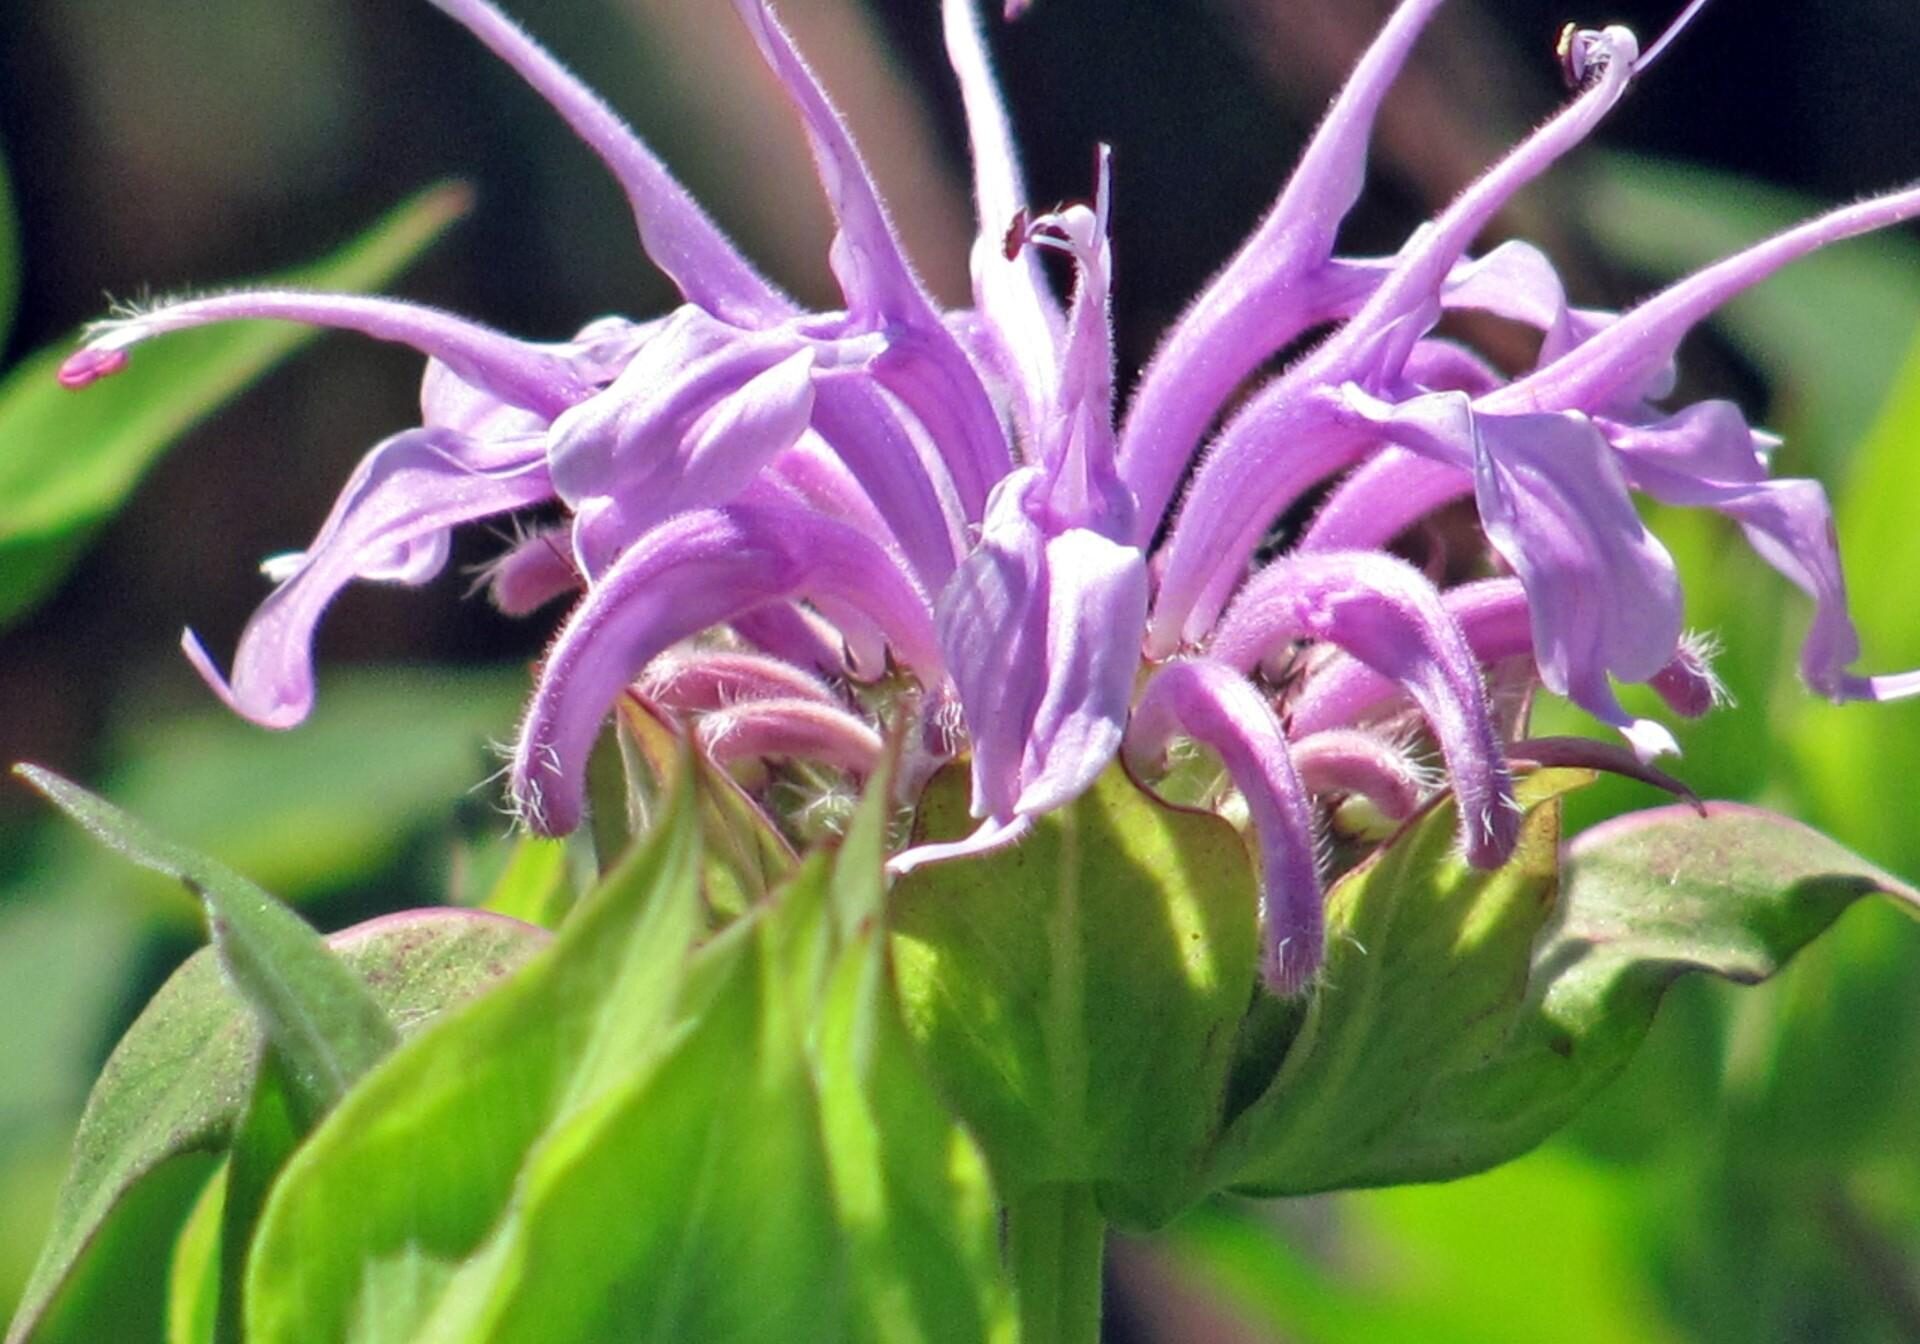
[787, 526]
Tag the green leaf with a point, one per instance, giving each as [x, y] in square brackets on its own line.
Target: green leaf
[642, 1220]
[641, 1139]
[72, 459]
[1076, 995]
[269, 1130]
[303, 814]
[692, 1204]
[910, 1188]
[321, 1021]
[410, 1176]
[169, 1096]
[1466, 1016]
[536, 886]
[1426, 971]
[116, 1290]
[193, 1280]
[9, 255]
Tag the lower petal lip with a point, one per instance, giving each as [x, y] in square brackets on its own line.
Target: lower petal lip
[695, 571]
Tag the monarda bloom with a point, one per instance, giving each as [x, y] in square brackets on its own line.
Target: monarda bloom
[801, 532]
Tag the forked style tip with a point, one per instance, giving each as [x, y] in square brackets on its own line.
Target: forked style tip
[85, 367]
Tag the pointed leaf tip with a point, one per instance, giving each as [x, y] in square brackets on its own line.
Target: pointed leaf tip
[319, 1017]
[168, 1100]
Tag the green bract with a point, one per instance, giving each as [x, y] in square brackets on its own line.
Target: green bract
[1078, 994]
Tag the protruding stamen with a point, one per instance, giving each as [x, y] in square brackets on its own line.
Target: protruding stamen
[1017, 228]
[1584, 54]
[1665, 39]
[1605, 61]
[524, 375]
[85, 367]
[1688, 683]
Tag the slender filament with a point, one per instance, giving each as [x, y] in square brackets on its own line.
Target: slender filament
[1665, 40]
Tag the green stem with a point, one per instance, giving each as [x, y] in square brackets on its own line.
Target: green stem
[1055, 1240]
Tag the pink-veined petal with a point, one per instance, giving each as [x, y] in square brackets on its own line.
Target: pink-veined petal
[693, 572]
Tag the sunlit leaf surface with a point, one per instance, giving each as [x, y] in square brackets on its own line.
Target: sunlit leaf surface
[1078, 993]
[1467, 1016]
[175, 1085]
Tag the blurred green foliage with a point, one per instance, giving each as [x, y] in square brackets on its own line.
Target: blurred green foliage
[71, 461]
[9, 254]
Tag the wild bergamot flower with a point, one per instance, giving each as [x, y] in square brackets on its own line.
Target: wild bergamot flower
[769, 512]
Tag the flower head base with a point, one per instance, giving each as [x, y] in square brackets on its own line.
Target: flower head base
[797, 530]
